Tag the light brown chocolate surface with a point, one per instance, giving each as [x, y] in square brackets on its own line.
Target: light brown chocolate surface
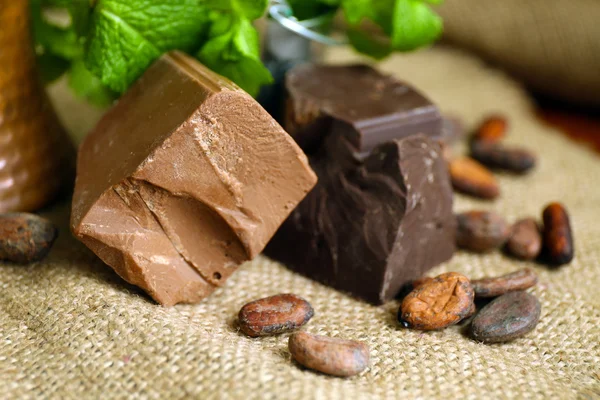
[183, 180]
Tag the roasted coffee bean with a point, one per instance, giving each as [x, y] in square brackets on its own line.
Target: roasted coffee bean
[498, 156]
[470, 177]
[492, 287]
[493, 129]
[25, 238]
[275, 314]
[507, 317]
[481, 231]
[329, 355]
[438, 303]
[558, 238]
[525, 241]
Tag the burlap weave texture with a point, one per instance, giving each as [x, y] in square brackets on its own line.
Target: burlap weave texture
[552, 45]
[70, 328]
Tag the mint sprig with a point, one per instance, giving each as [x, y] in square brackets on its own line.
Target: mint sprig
[232, 49]
[110, 43]
[126, 36]
[408, 24]
[61, 49]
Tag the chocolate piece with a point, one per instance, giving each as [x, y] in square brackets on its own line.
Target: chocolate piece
[183, 180]
[371, 225]
[367, 107]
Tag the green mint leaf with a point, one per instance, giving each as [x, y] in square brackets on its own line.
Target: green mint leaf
[368, 45]
[117, 53]
[51, 67]
[233, 51]
[57, 3]
[414, 25]
[307, 9]
[332, 3]
[381, 14]
[249, 9]
[86, 85]
[81, 13]
[62, 42]
[126, 36]
[54, 40]
[410, 24]
[356, 10]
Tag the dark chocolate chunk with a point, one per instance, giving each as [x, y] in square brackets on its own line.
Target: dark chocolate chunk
[368, 107]
[183, 180]
[371, 225]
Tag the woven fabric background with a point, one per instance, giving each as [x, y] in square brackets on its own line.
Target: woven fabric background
[70, 328]
[553, 45]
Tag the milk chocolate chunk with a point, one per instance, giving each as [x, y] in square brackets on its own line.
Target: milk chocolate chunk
[368, 107]
[371, 225]
[183, 179]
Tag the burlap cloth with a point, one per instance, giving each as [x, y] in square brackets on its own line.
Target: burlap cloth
[70, 328]
[552, 45]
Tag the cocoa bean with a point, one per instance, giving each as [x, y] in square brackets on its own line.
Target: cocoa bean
[274, 315]
[329, 355]
[558, 238]
[470, 177]
[438, 303]
[492, 287]
[418, 282]
[25, 238]
[507, 317]
[481, 231]
[492, 129]
[525, 241]
[498, 156]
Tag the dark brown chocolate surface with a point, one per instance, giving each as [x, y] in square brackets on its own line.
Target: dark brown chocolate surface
[371, 225]
[368, 107]
[183, 180]
[381, 213]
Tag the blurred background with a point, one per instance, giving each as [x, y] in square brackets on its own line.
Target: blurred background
[551, 46]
